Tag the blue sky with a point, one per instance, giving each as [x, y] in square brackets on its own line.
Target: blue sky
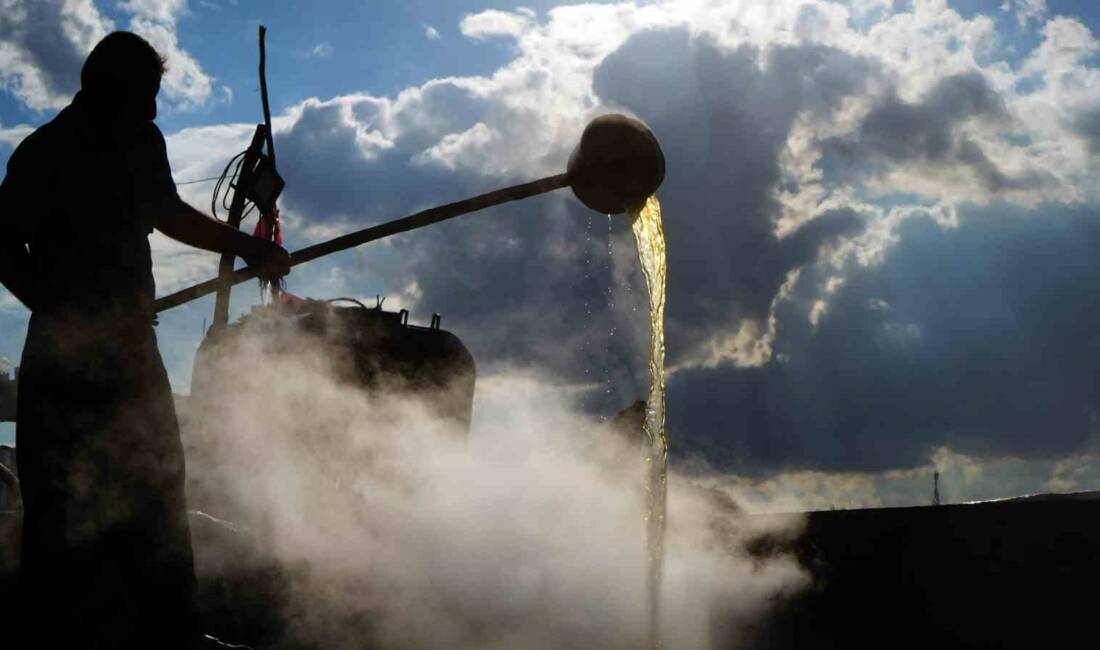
[837, 173]
[315, 50]
[378, 47]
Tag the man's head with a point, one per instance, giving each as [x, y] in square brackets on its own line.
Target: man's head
[123, 72]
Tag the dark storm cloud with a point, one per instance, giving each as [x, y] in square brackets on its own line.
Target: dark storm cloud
[978, 338]
[926, 132]
[723, 117]
[1087, 125]
[354, 158]
[45, 43]
[984, 338]
[508, 280]
[329, 174]
[527, 283]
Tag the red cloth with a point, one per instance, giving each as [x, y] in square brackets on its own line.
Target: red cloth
[267, 227]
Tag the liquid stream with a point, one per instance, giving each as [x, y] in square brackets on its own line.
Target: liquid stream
[650, 237]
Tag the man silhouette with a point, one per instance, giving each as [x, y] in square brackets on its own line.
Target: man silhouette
[106, 552]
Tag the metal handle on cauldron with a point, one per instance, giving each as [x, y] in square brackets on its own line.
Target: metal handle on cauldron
[616, 166]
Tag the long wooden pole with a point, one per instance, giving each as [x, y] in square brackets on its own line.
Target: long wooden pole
[263, 96]
[360, 237]
[224, 283]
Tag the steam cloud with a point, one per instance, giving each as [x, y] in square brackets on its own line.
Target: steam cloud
[529, 534]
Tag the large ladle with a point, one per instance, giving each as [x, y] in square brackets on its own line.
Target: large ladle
[616, 166]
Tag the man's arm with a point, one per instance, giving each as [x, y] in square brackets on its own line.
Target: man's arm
[184, 223]
[26, 177]
[157, 200]
[14, 269]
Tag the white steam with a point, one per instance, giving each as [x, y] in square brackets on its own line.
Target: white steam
[529, 534]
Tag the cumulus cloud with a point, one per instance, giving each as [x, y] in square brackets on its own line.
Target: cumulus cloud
[163, 11]
[321, 51]
[43, 45]
[195, 153]
[458, 148]
[1062, 97]
[966, 338]
[963, 479]
[496, 23]
[431, 33]
[12, 136]
[929, 134]
[185, 84]
[1026, 11]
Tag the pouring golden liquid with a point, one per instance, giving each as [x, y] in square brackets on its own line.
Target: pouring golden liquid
[650, 237]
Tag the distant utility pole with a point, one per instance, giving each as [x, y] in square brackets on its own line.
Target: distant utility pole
[935, 488]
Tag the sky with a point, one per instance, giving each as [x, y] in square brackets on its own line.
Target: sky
[880, 214]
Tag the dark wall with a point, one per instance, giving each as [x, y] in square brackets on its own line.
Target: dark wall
[1015, 574]
[10, 498]
[7, 399]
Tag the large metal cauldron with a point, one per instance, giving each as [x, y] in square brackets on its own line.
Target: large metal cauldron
[368, 347]
[372, 351]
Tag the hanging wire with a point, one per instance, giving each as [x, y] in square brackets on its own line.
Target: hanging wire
[610, 315]
[218, 187]
[226, 183]
[198, 180]
[591, 401]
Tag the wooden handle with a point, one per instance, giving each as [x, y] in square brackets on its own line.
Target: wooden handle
[360, 237]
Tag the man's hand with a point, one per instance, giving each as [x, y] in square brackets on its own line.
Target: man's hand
[186, 224]
[270, 260]
[15, 272]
